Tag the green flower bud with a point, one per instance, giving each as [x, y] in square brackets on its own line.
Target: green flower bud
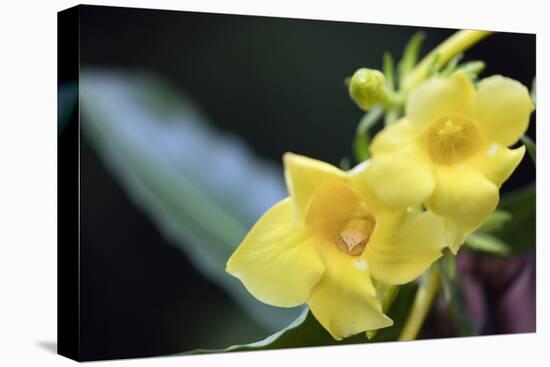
[367, 88]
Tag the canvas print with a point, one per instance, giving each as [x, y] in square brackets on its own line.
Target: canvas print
[242, 183]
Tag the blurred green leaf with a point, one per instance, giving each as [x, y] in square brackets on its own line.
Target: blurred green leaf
[519, 234]
[434, 67]
[388, 70]
[302, 332]
[454, 295]
[488, 243]
[509, 230]
[410, 55]
[472, 68]
[452, 65]
[362, 138]
[202, 188]
[306, 331]
[531, 148]
[495, 221]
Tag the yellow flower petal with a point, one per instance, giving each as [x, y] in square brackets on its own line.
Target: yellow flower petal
[356, 180]
[331, 206]
[404, 246]
[463, 195]
[502, 109]
[497, 162]
[403, 178]
[455, 235]
[439, 97]
[344, 301]
[394, 137]
[277, 263]
[303, 175]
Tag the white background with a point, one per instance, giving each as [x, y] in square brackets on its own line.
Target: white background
[28, 183]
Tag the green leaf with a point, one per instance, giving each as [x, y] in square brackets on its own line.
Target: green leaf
[472, 68]
[531, 148]
[495, 221]
[452, 65]
[362, 140]
[388, 70]
[454, 295]
[306, 331]
[434, 67]
[410, 55]
[520, 232]
[488, 243]
[202, 188]
[510, 230]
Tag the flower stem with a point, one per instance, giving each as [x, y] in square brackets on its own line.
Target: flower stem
[422, 303]
[452, 46]
[362, 139]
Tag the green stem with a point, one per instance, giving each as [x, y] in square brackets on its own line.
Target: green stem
[422, 303]
[362, 139]
[452, 46]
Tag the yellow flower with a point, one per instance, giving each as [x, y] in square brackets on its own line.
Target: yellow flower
[450, 150]
[321, 245]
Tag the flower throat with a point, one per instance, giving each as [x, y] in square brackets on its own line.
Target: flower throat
[355, 234]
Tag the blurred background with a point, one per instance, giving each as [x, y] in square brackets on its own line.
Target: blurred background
[183, 111]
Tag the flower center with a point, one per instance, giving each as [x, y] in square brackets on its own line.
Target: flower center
[355, 234]
[452, 139]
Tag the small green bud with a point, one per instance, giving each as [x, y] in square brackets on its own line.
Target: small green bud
[367, 88]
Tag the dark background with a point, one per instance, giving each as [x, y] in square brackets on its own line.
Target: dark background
[278, 83]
